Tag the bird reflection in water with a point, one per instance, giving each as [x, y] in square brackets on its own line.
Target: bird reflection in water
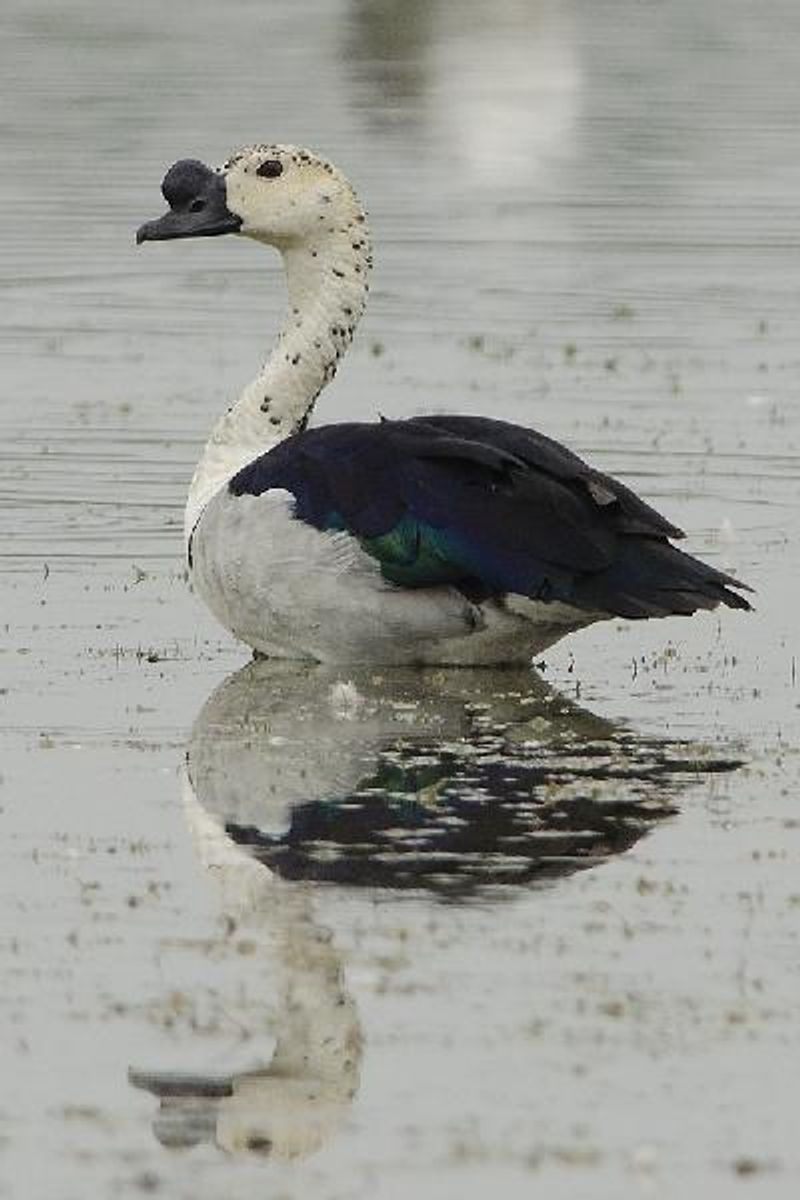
[463, 785]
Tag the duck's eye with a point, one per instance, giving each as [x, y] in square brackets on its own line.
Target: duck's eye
[270, 169]
[197, 206]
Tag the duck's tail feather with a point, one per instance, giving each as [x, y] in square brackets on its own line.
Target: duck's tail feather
[652, 578]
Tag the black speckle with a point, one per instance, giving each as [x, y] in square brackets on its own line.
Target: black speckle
[274, 420]
[270, 169]
[295, 360]
[265, 404]
[339, 274]
[259, 1145]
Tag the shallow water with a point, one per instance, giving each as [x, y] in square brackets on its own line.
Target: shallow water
[437, 932]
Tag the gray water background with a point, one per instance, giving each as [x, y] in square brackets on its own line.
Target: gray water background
[586, 219]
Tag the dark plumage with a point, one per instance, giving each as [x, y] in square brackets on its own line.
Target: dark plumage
[492, 509]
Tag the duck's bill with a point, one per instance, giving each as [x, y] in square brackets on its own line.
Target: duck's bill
[197, 206]
[186, 225]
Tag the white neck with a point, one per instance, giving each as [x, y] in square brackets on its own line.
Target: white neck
[326, 277]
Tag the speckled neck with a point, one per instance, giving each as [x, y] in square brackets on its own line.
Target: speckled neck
[327, 280]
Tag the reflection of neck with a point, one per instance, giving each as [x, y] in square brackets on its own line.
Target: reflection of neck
[299, 1099]
[326, 276]
[318, 1033]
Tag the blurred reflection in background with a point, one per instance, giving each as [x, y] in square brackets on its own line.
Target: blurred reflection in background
[496, 85]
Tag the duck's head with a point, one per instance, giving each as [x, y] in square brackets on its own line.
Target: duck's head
[276, 194]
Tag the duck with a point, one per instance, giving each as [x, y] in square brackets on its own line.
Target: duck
[430, 540]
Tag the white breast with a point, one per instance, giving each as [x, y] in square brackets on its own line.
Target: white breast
[291, 591]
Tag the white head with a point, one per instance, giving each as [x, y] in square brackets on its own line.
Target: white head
[284, 194]
[292, 199]
[281, 195]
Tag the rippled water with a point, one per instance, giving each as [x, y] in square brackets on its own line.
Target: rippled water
[392, 933]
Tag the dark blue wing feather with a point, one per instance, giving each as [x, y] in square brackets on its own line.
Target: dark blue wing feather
[491, 508]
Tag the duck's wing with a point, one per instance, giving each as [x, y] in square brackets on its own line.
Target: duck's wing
[548, 457]
[490, 508]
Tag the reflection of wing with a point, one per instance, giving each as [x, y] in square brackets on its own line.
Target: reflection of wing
[413, 783]
[490, 508]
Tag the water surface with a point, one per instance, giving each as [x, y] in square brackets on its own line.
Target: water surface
[442, 933]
